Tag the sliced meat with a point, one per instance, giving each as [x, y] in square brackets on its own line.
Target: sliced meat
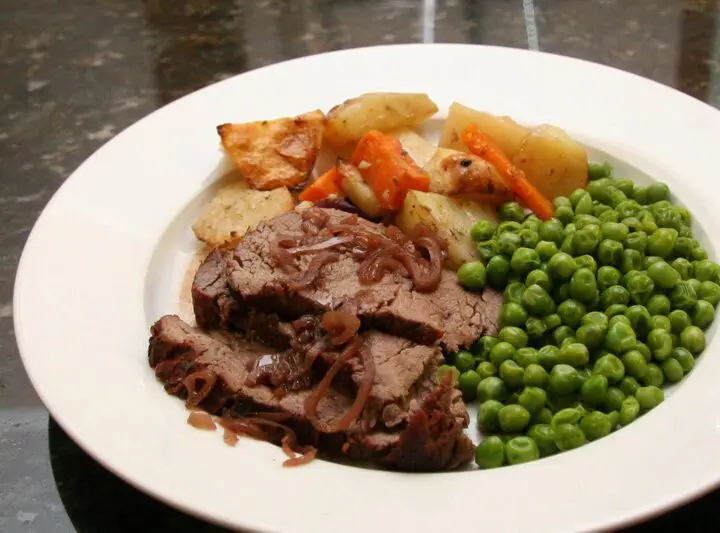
[403, 385]
[449, 314]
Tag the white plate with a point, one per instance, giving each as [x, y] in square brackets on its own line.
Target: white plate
[106, 257]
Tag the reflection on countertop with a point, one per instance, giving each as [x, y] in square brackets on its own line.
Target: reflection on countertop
[75, 73]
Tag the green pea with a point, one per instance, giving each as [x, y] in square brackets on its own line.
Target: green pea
[685, 231]
[583, 241]
[629, 385]
[568, 340]
[552, 230]
[597, 171]
[537, 301]
[502, 351]
[561, 266]
[657, 192]
[614, 417]
[639, 318]
[709, 291]
[659, 205]
[625, 185]
[596, 318]
[497, 271]
[487, 416]
[662, 242]
[524, 260]
[685, 215]
[699, 253]
[513, 292]
[508, 243]
[640, 194]
[532, 222]
[637, 241]
[599, 209]
[615, 231]
[584, 205]
[546, 249]
[669, 218]
[568, 437]
[658, 304]
[564, 379]
[660, 322]
[596, 425]
[564, 214]
[609, 366]
[643, 349]
[513, 314]
[526, 357]
[535, 376]
[616, 197]
[562, 201]
[640, 287]
[703, 315]
[695, 284]
[594, 389]
[528, 238]
[663, 275]
[513, 335]
[607, 276]
[512, 211]
[616, 294]
[672, 369]
[649, 260]
[591, 335]
[629, 410]
[533, 399]
[649, 397]
[692, 339]
[548, 355]
[521, 450]
[574, 354]
[538, 277]
[635, 363]
[683, 247]
[482, 230]
[485, 369]
[620, 336]
[486, 250]
[490, 453]
[683, 296]
[647, 222]
[577, 195]
[685, 358]
[614, 399]
[683, 267]
[587, 261]
[569, 415]
[444, 371]
[615, 310]
[620, 318]
[513, 418]
[491, 388]
[610, 252]
[679, 320]
[633, 223]
[630, 260]
[464, 361]
[482, 346]
[511, 373]
[583, 285]
[468, 382]
[535, 327]
[544, 437]
[660, 344]
[552, 321]
[562, 292]
[609, 215]
[654, 376]
[705, 270]
[570, 229]
[472, 275]
[571, 312]
[543, 416]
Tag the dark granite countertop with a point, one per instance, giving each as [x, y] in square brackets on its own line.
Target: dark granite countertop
[76, 72]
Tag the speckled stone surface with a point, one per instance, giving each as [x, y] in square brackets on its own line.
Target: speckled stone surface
[73, 73]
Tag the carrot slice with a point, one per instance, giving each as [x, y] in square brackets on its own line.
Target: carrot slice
[321, 188]
[388, 169]
[483, 146]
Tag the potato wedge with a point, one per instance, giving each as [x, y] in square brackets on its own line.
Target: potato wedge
[236, 209]
[451, 218]
[358, 191]
[552, 161]
[507, 133]
[418, 148]
[275, 153]
[348, 121]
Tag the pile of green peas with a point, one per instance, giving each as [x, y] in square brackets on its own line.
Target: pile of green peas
[603, 305]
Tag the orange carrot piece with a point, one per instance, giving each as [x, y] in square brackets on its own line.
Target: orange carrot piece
[388, 169]
[483, 146]
[321, 188]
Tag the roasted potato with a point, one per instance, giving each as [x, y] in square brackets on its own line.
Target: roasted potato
[357, 190]
[451, 218]
[347, 122]
[417, 147]
[507, 133]
[236, 209]
[275, 153]
[552, 161]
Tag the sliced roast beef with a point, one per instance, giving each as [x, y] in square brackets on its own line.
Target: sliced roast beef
[449, 314]
[409, 423]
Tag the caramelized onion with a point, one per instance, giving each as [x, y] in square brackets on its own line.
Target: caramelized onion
[305, 279]
[230, 437]
[340, 326]
[279, 253]
[363, 392]
[322, 245]
[201, 420]
[308, 454]
[208, 379]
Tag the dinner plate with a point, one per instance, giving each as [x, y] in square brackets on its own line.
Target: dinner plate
[108, 255]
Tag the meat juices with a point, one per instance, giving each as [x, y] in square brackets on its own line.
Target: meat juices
[246, 306]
